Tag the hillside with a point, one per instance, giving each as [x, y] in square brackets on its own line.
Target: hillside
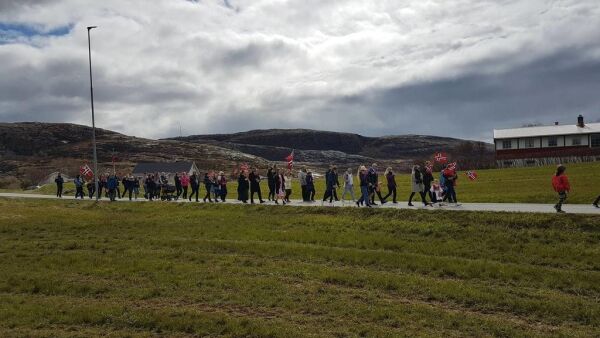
[272, 144]
[30, 151]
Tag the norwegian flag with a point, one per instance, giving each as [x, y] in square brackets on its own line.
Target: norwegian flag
[441, 158]
[86, 171]
[290, 160]
[429, 166]
[244, 167]
[472, 175]
[452, 166]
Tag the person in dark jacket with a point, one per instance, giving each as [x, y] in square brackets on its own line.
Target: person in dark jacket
[450, 178]
[310, 186]
[427, 179]
[128, 183]
[331, 183]
[374, 188]
[59, 185]
[151, 186]
[391, 184]
[91, 187]
[363, 176]
[125, 185]
[178, 188]
[222, 182]
[208, 185]
[243, 186]
[336, 181]
[254, 178]
[195, 186]
[136, 187]
[111, 184]
[79, 186]
[271, 173]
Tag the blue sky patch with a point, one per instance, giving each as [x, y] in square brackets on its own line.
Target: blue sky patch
[14, 33]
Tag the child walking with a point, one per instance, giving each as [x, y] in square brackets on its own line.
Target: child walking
[560, 183]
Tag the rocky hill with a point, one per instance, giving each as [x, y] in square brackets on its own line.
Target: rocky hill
[316, 146]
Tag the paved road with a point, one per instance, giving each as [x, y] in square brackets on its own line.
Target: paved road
[507, 207]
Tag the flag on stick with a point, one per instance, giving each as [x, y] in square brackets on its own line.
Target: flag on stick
[472, 175]
[429, 166]
[441, 158]
[86, 171]
[452, 166]
[290, 160]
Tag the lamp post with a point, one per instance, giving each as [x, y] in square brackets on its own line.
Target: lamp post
[93, 120]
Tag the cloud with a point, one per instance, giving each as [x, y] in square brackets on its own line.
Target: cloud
[456, 68]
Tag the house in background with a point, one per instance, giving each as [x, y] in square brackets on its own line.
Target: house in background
[542, 145]
[167, 168]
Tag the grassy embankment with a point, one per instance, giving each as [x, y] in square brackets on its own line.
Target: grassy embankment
[515, 185]
[80, 269]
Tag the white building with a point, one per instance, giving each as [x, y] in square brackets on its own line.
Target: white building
[548, 144]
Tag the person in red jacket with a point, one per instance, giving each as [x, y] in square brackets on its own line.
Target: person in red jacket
[560, 183]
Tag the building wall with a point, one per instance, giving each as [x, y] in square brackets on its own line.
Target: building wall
[523, 142]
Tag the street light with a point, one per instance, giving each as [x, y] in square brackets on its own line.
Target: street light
[93, 120]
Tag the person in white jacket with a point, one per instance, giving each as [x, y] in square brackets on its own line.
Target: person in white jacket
[348, 185]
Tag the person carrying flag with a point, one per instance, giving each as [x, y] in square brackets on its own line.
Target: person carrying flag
[450, 179]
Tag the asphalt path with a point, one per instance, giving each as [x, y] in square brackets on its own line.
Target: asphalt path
[495, 207]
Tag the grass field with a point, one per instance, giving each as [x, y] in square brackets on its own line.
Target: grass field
[515, 185]
[81, 269]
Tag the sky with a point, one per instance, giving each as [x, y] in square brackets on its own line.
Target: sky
[456, 68]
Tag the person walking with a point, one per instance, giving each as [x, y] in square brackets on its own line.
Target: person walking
[328, 185]
[279, 187]
[128, 183]
[222, 182]
[374, 187]
[195, 185]
[427, 179]
[185, 183]
[288, 186]
[254, 179]
[336, 183]
[243, 186]
[208, 185]
[450, 178]
[391, 184]
[91, 187]
[560, 183]
[125, 183]
[178, 188]
[302, 180]
[417, 186]
[348, 185]
[363, 176]
[136, 187]
[310, 186]
[150, 185]
[111, 184]
[59, 180]
[271, 173]
[79, 186]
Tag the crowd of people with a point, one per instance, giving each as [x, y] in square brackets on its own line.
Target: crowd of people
[431, 191]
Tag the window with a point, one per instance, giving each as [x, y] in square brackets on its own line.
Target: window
[529, 143]
[506, 144]
[553, 141]
[596, 140]
[576, 141]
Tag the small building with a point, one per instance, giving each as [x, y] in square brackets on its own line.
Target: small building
[542, 145]
[167, 169]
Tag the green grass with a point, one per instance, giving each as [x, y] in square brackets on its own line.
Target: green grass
[80, 269]
[515, 185]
